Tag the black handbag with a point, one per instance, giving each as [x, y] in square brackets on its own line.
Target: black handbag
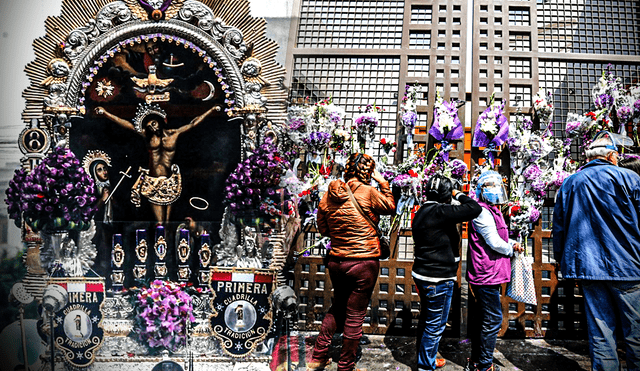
[385, 243]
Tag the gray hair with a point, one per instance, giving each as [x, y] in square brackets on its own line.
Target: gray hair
[599, 148]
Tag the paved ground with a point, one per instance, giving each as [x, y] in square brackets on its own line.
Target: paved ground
[398, 353]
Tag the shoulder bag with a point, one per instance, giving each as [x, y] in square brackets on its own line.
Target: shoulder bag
[385, 245]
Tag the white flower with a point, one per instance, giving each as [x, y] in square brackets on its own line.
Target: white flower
[446, 122]
[488, 125]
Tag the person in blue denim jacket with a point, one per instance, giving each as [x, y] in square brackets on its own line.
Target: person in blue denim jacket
[437, 257]
[596, 239]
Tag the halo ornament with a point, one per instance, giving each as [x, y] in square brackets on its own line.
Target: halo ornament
[203, 204]
[91, 157]
[145, 110]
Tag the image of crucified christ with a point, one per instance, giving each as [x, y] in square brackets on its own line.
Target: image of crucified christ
[161, 184]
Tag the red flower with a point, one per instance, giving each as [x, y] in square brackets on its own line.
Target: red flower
[412, 173]
[383, 141]
[591, 114]
[514, 210]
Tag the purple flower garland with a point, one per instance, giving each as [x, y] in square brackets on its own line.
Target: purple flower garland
[255, 182]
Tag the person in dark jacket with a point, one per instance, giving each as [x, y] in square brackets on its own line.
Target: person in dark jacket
[631, 163]
[596, 238]
[354, 256]
[436, 260]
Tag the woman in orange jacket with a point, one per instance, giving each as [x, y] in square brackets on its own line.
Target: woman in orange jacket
[354, 255]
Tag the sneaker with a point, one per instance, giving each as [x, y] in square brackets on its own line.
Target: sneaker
[440, 362]
[470, 366]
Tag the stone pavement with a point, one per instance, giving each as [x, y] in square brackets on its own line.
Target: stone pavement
[398, 353]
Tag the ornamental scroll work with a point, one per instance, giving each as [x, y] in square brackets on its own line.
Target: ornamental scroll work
[121, 12]
[130, 32]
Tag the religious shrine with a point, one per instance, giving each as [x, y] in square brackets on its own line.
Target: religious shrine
[139, 112]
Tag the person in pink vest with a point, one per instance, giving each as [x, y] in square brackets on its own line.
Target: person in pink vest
[488, 267]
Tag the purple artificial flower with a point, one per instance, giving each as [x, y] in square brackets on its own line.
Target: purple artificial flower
[573, 126]
[296, 123]
[624, 114]
[409, 120]
[532, 172]
[58, 184]
[538, 186]
[513, 144]
[317, 140]
[402, 180]
[534, 215]
[559, 178]
[636, 107]
[458, 168]
[335, 117]
[604, 101]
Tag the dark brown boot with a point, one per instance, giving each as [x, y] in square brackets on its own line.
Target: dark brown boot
[347, 360]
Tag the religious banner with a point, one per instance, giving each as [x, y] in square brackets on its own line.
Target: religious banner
[78, 326]
[242, 308]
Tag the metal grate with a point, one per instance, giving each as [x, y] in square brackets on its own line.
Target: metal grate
[519, 16]
[375, 79]
[520, 96]
[519, 68]
[405, 248]
[420, 40]
[596, 27]
[519, 41]
[353, 24]
[418, 67]
[421, 14]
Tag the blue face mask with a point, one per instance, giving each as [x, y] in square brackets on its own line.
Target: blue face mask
[494, 195]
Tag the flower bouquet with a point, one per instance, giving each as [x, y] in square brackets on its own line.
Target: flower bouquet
[492, 129]
[163, 311]
[366, 122]
[531, 173]
[446, 124]
[456, 169]
[253, 188]
[56, 195]
[616, 106]
[409, 114]
[521, 214]
[408, 179]
[317, 141]
[388, 147]
[543, 106]
[607, 90]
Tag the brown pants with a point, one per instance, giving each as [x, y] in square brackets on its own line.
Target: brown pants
[353, 283]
